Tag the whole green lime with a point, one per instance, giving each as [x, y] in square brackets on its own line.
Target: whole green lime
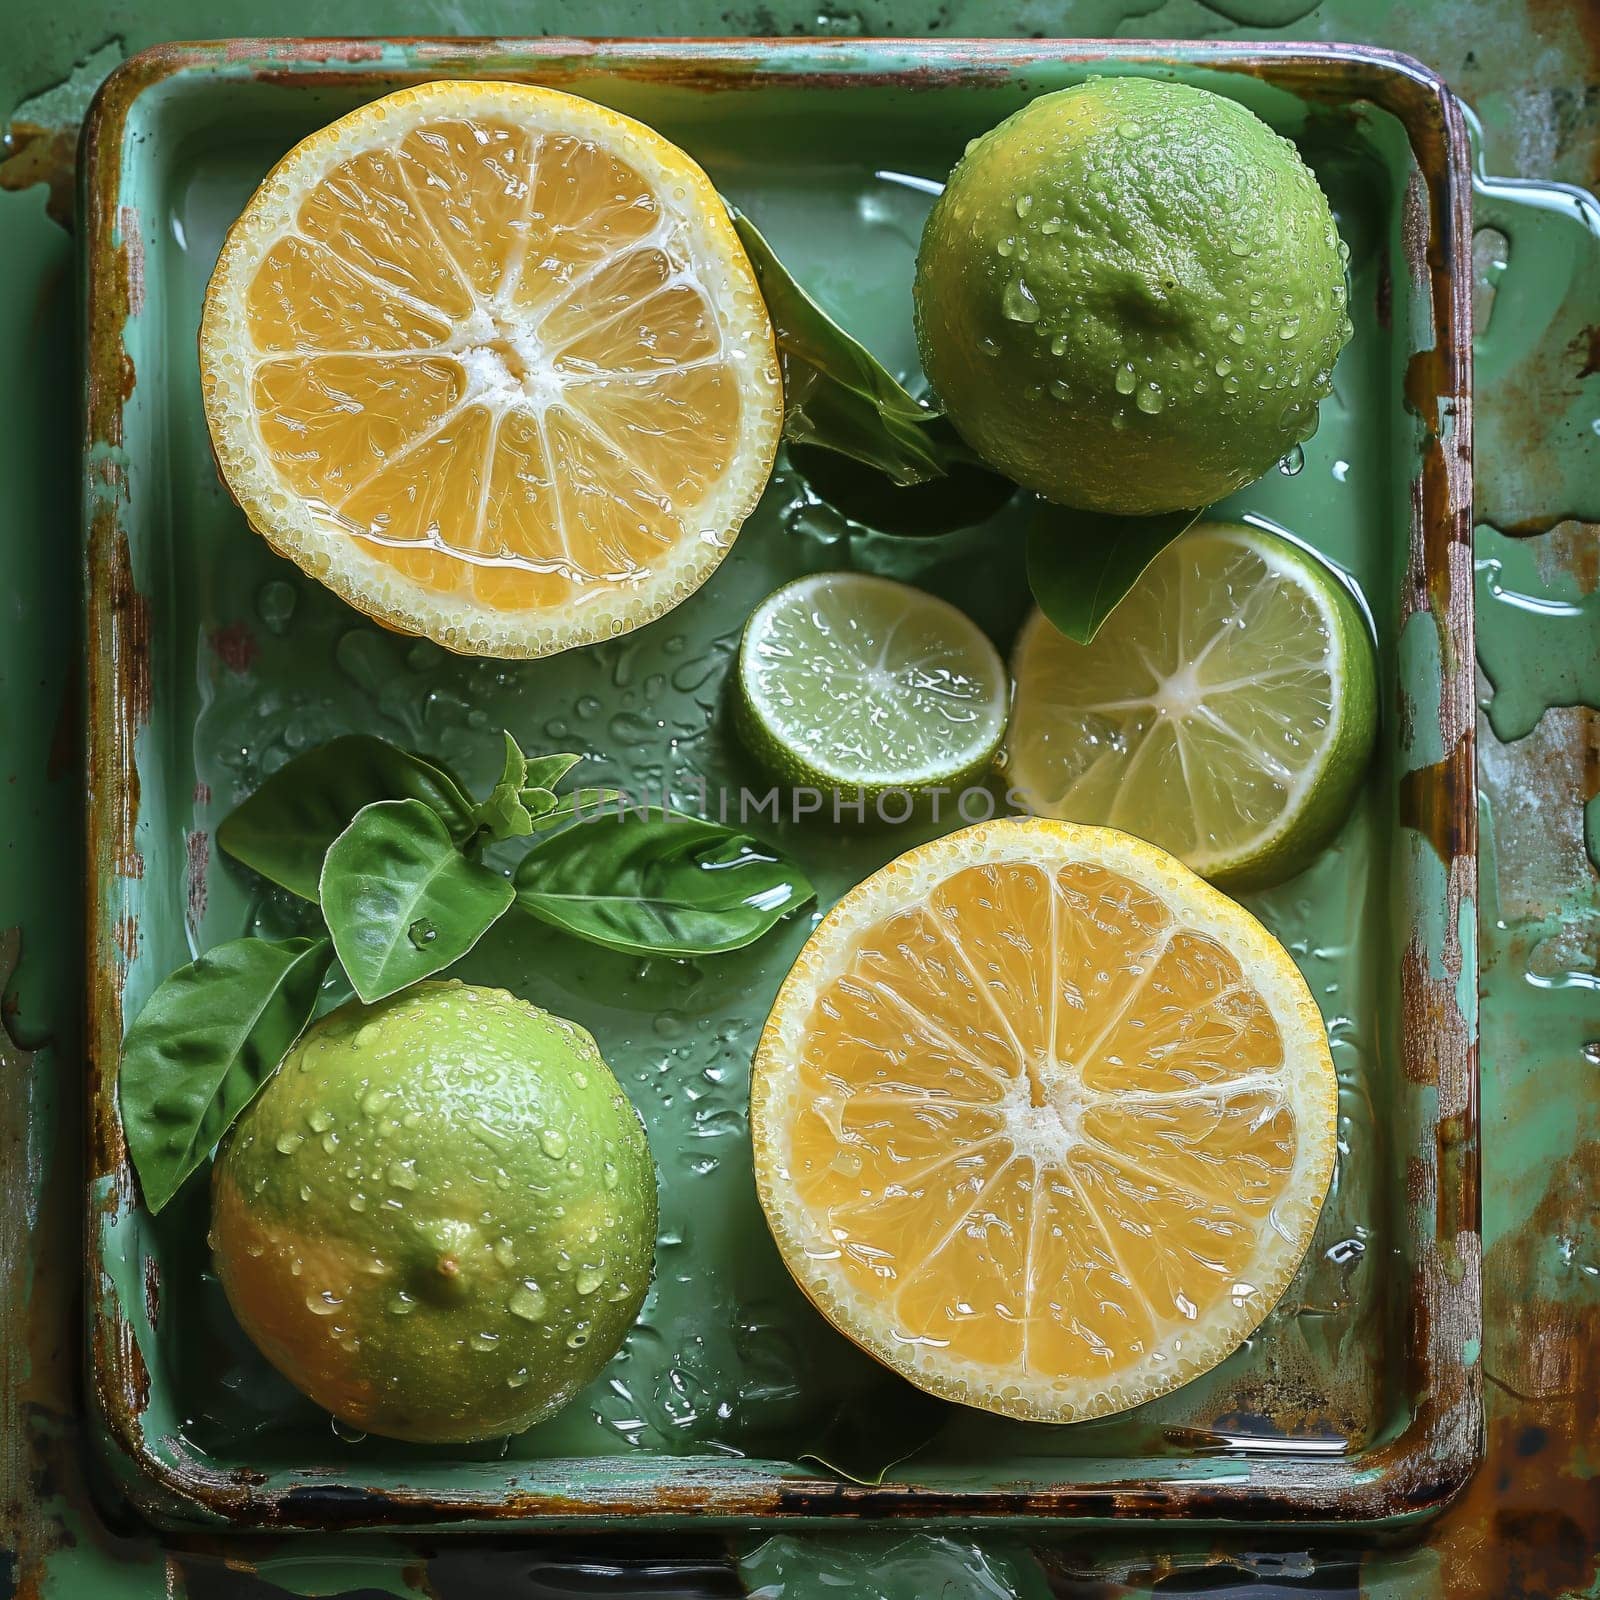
[1130, 296]
[438, 1218]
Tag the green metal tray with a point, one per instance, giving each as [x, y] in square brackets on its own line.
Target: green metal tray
[211, 661]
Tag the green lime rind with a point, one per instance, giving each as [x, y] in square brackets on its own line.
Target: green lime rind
[851, 683]
[438, 1219]
[1331, 789]
[1130, 296]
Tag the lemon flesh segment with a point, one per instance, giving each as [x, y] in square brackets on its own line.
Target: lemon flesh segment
[1042, 1120]
[849, 679]
[490, 361]
[1225, 710]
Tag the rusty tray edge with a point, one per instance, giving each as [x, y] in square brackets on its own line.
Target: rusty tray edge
[1411, 1477]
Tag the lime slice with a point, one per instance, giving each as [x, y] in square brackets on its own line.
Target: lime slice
[1225, 711]
[852, 681]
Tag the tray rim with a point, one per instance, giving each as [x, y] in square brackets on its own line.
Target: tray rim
[1409, 1478]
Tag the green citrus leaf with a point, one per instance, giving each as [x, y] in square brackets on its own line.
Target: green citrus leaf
[967, 494]
[401, 900]
[1082, 563]
[658, 883]
[205, 1043]
[837, 394]
[284, 829]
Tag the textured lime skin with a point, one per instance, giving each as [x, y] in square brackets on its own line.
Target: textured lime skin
[1333, 796]
[438, 1219]
[1131, 295]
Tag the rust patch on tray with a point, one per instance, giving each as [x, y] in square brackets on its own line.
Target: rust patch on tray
[34, 154]
[1587, 346]
[1530, 1524]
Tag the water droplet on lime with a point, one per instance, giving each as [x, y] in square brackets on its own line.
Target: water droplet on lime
[1018, 302]
[1150, 399]
[528, 1302]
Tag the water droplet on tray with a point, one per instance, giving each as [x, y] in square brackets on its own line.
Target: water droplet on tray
[275, 603]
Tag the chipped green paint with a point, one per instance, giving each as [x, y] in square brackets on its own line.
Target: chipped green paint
[1524, 67]
[1540, 347]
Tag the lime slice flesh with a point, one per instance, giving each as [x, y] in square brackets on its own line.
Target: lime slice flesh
[850, 680]
[1225, 710]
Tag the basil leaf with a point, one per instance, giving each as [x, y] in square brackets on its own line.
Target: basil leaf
[658, 884]
[400, 899]
[524, 792]
[284, 829]
[503, 815]
[545, 772]
[1082, 563]
[204, 1045]
[582, 805]
[538, 803]
[837, 395]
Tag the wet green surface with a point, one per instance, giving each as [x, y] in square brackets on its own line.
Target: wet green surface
[1528, 1527]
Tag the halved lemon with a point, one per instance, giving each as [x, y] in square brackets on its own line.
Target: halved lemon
[490, 361]
[1042, 1120]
